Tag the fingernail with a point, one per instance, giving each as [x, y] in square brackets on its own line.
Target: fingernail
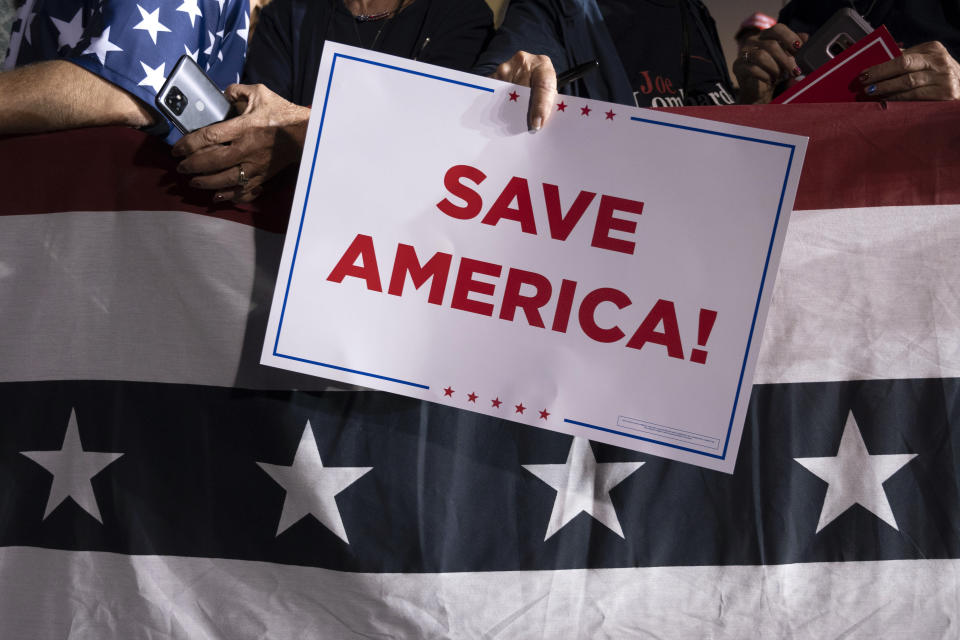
[871, 89]
[796, 71]
[797, 44]
[193, 183]
[864, 77]
[219, 197]
[180, 168]
[537, 124]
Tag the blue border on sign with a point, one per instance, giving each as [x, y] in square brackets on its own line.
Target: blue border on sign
[756, 308]
[303, 213]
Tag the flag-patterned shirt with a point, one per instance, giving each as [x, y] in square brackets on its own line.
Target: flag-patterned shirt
[134, 43]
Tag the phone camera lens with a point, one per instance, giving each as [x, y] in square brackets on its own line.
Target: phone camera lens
[175, 100]
[840, 44]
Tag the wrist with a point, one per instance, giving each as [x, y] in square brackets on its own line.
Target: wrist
[297, 127]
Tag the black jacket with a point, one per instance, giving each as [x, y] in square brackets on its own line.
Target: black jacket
[572, 32]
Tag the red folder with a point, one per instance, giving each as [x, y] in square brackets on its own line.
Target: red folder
[836, 81]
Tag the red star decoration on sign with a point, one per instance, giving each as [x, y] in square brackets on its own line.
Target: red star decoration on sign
[561, 106]
[520, 408]
[513, 96]
[584, 111]
[610, 114]
[496, 403]
[448, 392]
[472, 397]
[544, 414]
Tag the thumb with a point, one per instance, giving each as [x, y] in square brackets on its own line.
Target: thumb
[543, 81]
[240, 95]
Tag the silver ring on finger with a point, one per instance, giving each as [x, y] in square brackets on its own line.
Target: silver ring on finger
[242, 179]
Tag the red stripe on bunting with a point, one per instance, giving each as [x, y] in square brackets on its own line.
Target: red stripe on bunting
[864, 154]
[860, 155]
[117, 169]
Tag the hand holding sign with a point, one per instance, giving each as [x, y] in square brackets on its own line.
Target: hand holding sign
[536, 72]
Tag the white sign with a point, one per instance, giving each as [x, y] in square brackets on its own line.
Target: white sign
[607, 277]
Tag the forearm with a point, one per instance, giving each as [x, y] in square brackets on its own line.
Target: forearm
[54, 95]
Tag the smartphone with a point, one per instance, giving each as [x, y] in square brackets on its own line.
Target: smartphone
[844, 28]
[190, 99]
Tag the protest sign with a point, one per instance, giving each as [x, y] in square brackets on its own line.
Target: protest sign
[606, 277]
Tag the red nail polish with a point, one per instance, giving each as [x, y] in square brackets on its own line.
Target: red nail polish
[863, 77]
[797, 71]
[797, 44]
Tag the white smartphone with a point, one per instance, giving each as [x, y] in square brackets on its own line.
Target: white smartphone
[190, 99]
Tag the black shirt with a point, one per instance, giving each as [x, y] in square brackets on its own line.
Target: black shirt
[285, 50]
[910, 22]
[650, 39]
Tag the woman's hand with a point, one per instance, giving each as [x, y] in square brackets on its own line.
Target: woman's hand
[924, 72]
[765, 60]
[266, 137]
[536, 72]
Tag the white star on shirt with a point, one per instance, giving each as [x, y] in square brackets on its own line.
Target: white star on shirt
[192, 54]
[220, 2]
[21, 15]
[246, 27]
[583, 484]
[70, 32]
[72, 468]
[154, 77]
[102, 46]
[209, 49]
[190, 8]
[311, 487]
[853, 476]
[27, 34]
[150, 23]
